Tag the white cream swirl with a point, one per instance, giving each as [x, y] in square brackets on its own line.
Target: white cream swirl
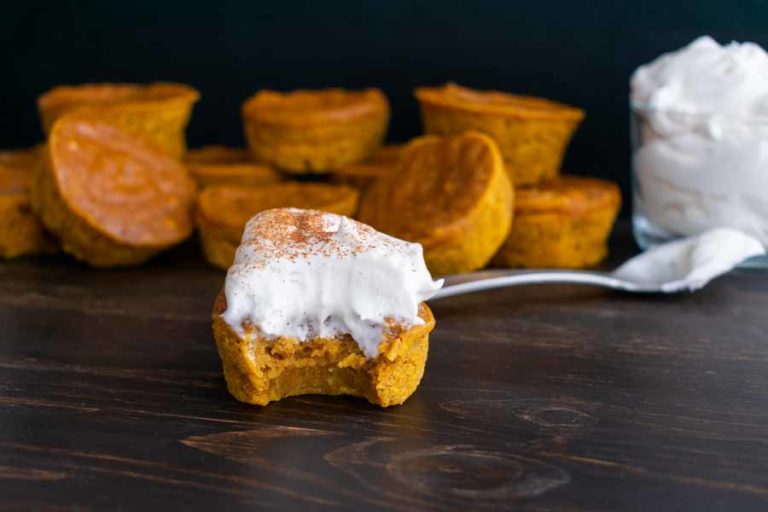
[702, 161]
[306, 274]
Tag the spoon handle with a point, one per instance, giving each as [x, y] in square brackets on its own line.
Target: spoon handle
[489, 279]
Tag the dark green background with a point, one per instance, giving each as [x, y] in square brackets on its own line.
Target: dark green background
[577, 52]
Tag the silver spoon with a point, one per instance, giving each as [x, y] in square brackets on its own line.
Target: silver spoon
[490, 279]
[683, 265]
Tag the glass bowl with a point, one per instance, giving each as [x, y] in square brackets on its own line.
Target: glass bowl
[694, 172]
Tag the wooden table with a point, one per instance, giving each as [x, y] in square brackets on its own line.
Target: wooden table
[555, 398]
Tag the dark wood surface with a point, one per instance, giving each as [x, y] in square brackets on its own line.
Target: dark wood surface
[556, 399]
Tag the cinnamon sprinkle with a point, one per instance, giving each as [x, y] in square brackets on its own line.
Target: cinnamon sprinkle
[291, 233]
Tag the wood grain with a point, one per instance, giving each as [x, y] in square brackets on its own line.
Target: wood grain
[558, 398]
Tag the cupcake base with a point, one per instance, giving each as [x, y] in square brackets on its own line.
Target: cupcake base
[259, 371]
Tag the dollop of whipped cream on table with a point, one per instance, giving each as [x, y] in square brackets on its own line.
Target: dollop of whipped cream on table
[690, 263]
[703, 157]
[306, 274]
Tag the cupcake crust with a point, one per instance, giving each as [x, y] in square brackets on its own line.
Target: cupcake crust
[562, 223]
[259, 371]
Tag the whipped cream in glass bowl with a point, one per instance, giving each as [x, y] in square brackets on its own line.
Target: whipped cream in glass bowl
[700, 142]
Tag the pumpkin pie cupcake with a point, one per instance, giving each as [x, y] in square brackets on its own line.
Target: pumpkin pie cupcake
[561, 223]
[222, 165]
[532, 133]
[451, 195]
[362, 174]
[21, 232]
[157, 112]
[317, 303]
[110, 197]
[315, 131]
[222, 211]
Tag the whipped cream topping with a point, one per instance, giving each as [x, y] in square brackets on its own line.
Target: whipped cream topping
[306, 274]
[702, 161]
[692, 262]
[706, 78]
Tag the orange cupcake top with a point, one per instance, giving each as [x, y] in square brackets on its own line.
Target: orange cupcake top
[63, 98]
[453, 95]
[118, 184]
[314, 106]
[569, 194]
[439, 181]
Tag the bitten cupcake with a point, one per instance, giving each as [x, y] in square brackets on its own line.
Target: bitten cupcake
[532, 133]
[315, 131]
[159, 113]
[561, 223]
[222, 211]
[318, 303]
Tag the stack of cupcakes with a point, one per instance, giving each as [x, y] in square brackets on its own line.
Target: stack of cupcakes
[559, 221]
[482, 186]
[303, 134]
[114, 184]
[107, 186]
